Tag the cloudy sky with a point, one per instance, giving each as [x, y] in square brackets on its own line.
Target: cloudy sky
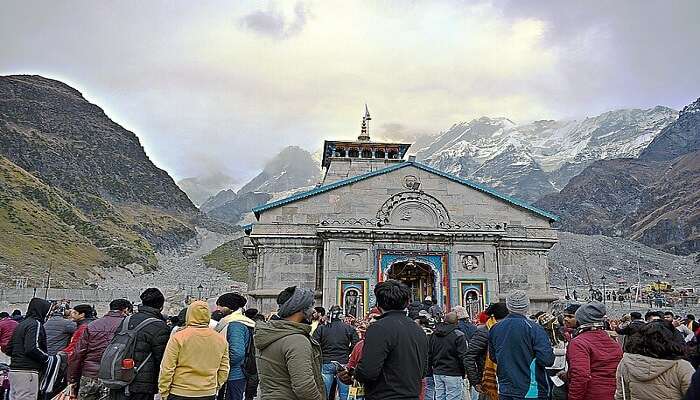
[224, 85]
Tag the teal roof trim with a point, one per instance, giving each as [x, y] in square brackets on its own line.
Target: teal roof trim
[509, 199]
[259, 209]
[247, 228]
[321, 189]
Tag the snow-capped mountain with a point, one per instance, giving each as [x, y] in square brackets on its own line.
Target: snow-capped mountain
[531, 160]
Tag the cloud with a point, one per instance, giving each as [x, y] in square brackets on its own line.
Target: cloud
[274, 23]
[224, 86]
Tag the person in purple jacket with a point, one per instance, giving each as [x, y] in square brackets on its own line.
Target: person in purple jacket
[84, 362]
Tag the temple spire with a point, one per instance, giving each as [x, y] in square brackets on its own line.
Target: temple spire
[364, 133]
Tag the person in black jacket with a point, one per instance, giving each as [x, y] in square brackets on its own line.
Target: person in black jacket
[395, 352]
[150, 346]
[479, 346]
[337, 340]
[27, 351]
[448, 357]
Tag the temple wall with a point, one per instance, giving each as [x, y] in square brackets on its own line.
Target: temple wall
[507, 248]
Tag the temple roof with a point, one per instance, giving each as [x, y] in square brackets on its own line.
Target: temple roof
[321, 189]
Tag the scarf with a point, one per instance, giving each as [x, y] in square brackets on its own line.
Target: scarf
[300, 301]
[489, 382]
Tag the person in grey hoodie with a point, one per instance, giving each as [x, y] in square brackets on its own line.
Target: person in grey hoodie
[652, 367]
[288, 359]
[59, 330]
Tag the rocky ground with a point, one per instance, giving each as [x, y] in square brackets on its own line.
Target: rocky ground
[616, 258]
[180, 273]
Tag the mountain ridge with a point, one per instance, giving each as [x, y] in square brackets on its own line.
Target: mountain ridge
[131, 208]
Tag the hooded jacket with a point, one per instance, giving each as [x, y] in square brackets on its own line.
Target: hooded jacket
[522, 350]
[27, 348]
[593, 358]
[337, 340]
[448, 350]
[195, 363]
[394, 358]
[645, 378]
[289, 361]
[85, 360]
[236, 328]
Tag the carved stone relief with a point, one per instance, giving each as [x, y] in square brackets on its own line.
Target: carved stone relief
[416, 209]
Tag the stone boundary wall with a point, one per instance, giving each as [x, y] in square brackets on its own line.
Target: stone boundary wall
[20, 296]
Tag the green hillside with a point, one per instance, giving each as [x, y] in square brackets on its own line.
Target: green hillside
[229, 258]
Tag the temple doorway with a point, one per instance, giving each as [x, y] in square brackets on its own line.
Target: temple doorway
[418, 276]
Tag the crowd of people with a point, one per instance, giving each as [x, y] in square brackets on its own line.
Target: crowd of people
[399, 350]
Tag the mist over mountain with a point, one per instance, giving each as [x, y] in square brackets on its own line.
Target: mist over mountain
[291, 170]
[201, 188]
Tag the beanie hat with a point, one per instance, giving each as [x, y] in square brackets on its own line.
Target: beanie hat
[571, 308]
[594, 311]
[518, 302]
[232, 301]
[497, 310]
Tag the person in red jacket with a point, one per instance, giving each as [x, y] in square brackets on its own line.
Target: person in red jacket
[592, 356]
[82, 315]
[7, 327]
[84, 362]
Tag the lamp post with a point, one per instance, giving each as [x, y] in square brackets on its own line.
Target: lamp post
[602, 279]
[566, 283]
[199, 288]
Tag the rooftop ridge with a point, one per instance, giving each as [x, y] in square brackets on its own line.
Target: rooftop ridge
[321, 189]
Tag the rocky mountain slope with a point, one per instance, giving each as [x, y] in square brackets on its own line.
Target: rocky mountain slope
[79, 172]
[292, 169]
[580, 257]
[528, 161]
[654, 199]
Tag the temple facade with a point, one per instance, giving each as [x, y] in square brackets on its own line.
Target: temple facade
[377, 215]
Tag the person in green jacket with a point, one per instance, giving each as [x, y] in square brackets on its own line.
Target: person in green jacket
[288, 359]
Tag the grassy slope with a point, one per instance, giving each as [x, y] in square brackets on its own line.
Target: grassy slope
[229, 258]
[39, 229]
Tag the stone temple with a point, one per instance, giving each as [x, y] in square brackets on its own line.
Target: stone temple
[378, 216]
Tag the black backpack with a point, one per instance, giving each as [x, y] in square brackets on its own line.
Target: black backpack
[250, 366]
[121, 348]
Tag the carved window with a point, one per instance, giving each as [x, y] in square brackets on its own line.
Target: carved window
[379, 154]
[353, 153]
[393, 154]
[366, 153]
[339, 153]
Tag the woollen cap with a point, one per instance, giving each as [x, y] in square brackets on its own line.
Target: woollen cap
[592, 312]
[518, 302]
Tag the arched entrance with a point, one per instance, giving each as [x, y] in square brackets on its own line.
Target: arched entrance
[417, 275]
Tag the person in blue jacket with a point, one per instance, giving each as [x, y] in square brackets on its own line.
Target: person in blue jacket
[522, 351]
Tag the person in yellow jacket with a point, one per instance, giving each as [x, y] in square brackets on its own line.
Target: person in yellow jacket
[195, 363]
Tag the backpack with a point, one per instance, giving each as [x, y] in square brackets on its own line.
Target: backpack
[249, 365]
[111, 373]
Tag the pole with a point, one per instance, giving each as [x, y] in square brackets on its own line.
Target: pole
[566, 282]
[639, 283]
[602, 278]
[48, 281]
